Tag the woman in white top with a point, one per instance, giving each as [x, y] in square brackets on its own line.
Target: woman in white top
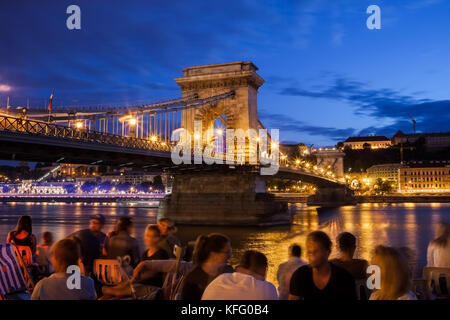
[395, 275]
[438, 253]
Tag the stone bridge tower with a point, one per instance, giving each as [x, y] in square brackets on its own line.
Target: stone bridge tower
[238, 112]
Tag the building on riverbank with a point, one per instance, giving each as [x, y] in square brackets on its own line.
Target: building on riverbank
[132, 177]
[385, 172]
[425, 177]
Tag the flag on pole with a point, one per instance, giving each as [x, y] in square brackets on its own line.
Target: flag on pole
[50, 103]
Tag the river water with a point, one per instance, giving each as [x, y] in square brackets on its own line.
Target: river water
[410, 225]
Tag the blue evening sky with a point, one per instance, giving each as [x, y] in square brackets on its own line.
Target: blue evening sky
[327, 75]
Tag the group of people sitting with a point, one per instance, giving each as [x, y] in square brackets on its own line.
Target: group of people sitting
[209, 276]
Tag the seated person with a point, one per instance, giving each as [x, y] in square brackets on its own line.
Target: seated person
[43, 254]
[395, 274]
[120, 243]
[347, 246]
[210, 258]
[247, 283]
[64, 253]
[23, 234]
[154, 252]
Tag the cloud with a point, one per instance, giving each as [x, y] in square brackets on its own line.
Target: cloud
[288, 124]
[385, 105]
[4, 88]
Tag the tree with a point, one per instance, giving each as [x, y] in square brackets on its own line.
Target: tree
[383, 186]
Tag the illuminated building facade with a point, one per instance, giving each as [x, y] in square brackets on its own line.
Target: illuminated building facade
[132, 177]
[431, 177]
[375, 142]
[385, 172]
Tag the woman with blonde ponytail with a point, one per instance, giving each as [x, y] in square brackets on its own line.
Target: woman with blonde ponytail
[395, 275]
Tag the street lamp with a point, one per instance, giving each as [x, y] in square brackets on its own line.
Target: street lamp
[79, 125]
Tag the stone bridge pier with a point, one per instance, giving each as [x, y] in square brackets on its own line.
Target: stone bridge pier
[222, 198]
[332, 196]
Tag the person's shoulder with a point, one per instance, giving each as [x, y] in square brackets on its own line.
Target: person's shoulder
[87, 280]
[283, 265]
[362, 262]
[341, 272]
[267, 288]
[224, 277]
[302, 271]
[195, 271]
[335, 261]
[80, 233]
[46, 281]
[266, 284]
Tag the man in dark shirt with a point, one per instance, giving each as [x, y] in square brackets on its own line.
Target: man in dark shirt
[347, 247]
[91, 242]
[320, 279]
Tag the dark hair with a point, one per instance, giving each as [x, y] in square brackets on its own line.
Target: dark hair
[295, 250]
[47, 237]
[168, 220]
[24, 224]
[123, 224]
[320, 237]
[154, 228]
[253, 259]
[346, 241]
[67, 252]
[204, 245]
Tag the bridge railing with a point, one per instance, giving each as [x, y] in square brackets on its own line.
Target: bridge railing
[40, 128]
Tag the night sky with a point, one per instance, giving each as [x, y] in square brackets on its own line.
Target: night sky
[327, 75]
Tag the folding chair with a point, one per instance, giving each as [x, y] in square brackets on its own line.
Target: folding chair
[439, 280]
[108, 271]
[12, 282]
